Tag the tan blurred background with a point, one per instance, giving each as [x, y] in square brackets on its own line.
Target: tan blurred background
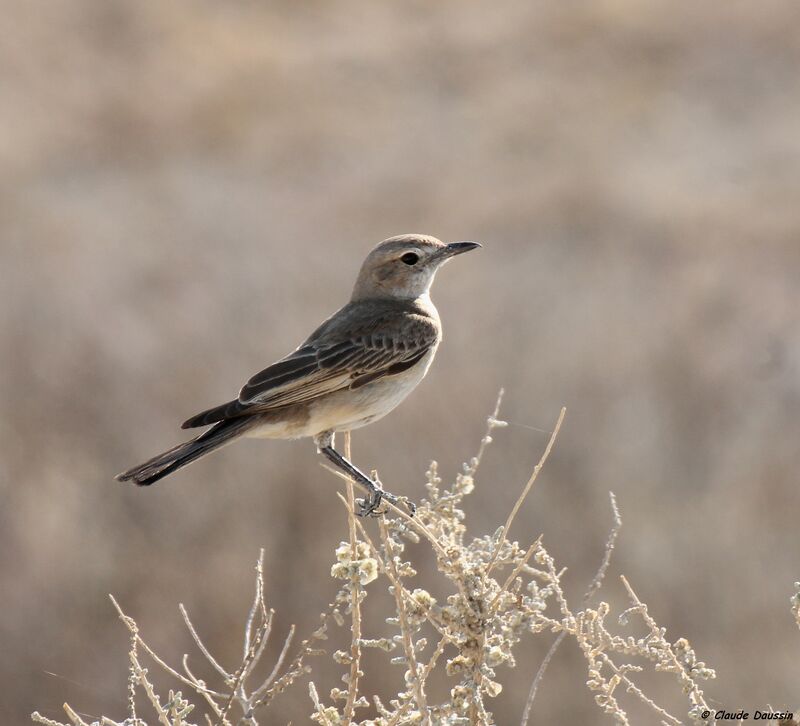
[186, 189]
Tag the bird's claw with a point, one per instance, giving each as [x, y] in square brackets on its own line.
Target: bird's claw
[369, 505]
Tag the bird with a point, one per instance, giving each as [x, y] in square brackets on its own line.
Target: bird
[355, 368]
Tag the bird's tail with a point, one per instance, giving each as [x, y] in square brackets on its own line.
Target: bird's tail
[160, 466]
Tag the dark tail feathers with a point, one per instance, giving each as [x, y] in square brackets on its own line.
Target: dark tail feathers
[160, 466]
[231, 409]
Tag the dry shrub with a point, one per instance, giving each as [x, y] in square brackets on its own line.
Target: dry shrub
[500, 594]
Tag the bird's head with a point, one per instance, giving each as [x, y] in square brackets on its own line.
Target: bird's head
[404, 266]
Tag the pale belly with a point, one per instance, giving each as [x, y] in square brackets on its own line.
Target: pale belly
[349, 409]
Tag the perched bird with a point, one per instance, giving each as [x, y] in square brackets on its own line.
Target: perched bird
[353, 369]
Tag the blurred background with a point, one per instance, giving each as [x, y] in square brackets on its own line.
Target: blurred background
[187, 189]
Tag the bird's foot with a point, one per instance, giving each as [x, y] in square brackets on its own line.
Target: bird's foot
[368, 507]
[375, 492]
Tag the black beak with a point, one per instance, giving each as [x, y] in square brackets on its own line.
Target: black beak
[457, 248]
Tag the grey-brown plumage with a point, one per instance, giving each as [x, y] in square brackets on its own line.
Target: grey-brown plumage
[362, 342]
[355, 368]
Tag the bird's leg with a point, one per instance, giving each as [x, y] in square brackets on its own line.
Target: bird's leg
[375, 491]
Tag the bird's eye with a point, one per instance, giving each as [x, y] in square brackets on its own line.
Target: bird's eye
[410, 258]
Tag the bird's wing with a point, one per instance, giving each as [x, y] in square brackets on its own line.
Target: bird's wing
[344, 359]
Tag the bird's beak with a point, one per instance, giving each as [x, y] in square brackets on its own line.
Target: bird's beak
[457, 248]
